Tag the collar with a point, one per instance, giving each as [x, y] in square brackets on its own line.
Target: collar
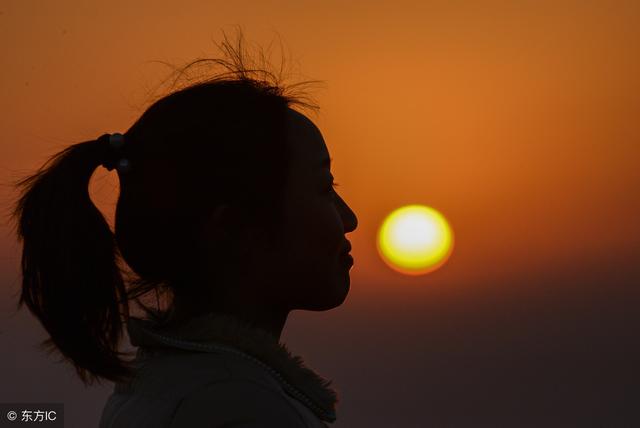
[213, 332]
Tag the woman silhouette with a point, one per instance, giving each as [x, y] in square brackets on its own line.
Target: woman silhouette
[227, 204]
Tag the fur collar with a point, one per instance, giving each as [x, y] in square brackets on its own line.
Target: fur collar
[227, 330]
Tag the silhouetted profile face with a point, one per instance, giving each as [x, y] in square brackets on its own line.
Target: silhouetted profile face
[316, 221]
[306, 266]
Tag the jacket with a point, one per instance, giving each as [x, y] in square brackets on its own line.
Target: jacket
[216, 371]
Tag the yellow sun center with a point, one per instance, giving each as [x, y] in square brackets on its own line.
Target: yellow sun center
[415, 239]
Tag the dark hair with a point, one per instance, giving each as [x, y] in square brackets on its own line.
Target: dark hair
[217, 141]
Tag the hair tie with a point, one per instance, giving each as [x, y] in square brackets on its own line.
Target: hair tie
[112, 158]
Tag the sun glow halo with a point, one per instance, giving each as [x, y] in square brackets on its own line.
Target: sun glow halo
[415, 239]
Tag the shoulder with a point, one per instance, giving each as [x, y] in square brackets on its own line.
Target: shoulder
[237, 403]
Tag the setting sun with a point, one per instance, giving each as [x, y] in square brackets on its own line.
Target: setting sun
[415, 239]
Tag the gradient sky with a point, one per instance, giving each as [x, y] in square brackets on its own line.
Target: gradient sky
[516, 120]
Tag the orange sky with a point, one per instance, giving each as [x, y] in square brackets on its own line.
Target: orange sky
[516, 120]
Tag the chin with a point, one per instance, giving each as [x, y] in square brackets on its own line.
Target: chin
[340, 291]
[330, 300]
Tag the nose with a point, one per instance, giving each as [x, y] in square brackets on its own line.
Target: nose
[349, 218]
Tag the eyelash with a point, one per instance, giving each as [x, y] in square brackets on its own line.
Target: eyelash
[333, 186]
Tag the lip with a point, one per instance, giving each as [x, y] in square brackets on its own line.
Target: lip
[347, 248]
[348, 259]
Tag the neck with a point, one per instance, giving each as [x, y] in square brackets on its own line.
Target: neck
[258, 314]
[265, 318]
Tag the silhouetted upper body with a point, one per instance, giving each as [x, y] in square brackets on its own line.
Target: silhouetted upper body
[183, 383]
[227, 202]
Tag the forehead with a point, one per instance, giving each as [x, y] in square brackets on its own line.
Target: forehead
[306, 145]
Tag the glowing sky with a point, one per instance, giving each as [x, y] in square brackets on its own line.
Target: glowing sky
[516, 119]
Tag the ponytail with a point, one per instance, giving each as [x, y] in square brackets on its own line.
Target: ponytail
[71, 280]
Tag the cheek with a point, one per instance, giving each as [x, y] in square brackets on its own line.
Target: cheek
[323, 230]
[315, 232]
